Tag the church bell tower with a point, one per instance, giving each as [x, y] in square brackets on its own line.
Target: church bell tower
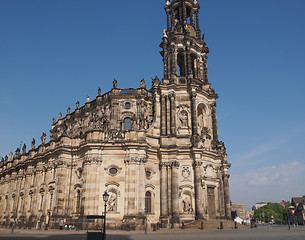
[194, 179]
[184, 50]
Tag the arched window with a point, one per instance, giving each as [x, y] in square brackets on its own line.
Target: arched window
[77, 209]
[127, 124]
[148, 202]
[127, 105]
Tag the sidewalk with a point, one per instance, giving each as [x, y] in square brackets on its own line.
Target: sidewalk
[24, 232]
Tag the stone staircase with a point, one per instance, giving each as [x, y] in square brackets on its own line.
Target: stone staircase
[214, 224]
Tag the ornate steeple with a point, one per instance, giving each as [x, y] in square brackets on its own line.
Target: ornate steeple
[184, 50]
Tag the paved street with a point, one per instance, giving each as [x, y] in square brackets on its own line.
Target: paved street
[278, 233]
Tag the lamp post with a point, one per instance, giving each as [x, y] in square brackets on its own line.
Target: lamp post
[105, 198]
[14, 221]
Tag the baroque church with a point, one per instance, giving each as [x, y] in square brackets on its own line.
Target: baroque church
[155, 151]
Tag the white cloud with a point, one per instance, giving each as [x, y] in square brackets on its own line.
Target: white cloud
[284, 173]
[270, 183]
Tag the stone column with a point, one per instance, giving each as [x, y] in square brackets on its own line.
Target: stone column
[141, 185]
[180, 14]
[168, 116]
[173, 119]
[165, 63]
[214, 122]
[227, 195]
[192, 18]
[221, 194]
[185, 60]
[132, 185]
[198, 190]
[205, 71]
[175, 191]
[194, 113]
[164, 190]
[167, 14]
[163, 115]
[172, 19]
[189, 61]
[174, 63]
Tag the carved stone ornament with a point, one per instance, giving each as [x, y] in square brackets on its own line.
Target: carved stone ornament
[175, 164]
[136, 160]
[115, 83]
[197, 164]
[115, 135]
[93, 159]
[186, 173]
[79, 172]
[113, 170]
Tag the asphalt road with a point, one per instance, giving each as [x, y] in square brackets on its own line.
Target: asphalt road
[278, 233]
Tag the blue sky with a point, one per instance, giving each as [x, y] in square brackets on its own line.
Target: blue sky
[55, 53]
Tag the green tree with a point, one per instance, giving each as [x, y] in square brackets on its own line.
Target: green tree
[265, 213]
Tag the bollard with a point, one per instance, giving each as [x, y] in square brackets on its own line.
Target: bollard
[182, 227]
[201, 226]
[235, 225]
[154, 227]
[221, 225]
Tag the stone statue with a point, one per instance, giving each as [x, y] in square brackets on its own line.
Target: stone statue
[168, 2]
[77, 105]
[134, 123]
[142, 84]
[54, 121]
[17, 152]
[99, 91]
[24, 149]
[164, 33]
[155, 81]
[195, 1]
[60, 115]
[183, 118]
[43, 138]
[88, 98]
[6, 158]
[187, 206]
[112, 202]
[148, 121]
[68, 111]
[115, 83]
[33, 144]
[10, 158]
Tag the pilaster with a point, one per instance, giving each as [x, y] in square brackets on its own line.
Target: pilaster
[175, 191]
[198, 189]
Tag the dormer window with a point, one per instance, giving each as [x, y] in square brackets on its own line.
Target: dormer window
[127, 105]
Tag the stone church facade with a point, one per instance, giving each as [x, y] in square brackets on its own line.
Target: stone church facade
[156, 152]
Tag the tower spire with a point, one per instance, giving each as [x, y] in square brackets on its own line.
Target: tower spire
[184, 51]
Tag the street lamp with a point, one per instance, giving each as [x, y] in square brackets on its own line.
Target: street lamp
[105, 198]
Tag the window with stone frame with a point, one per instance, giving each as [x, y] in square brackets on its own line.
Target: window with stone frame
[78, 203]
[127, 124]
[148, 201]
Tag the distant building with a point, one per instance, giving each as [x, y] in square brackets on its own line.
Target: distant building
[283, 203]
[299, 206]
[238, 210]
[260, 204]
